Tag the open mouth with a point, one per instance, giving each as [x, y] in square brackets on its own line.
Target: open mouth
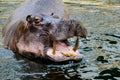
[62, 52]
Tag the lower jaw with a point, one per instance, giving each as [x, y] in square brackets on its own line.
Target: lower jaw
[63, 53]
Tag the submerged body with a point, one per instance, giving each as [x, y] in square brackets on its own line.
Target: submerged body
[31, 38]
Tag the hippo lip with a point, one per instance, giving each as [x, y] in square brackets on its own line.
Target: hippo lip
[63, 52]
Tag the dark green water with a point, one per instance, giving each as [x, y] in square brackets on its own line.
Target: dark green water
[101, 48]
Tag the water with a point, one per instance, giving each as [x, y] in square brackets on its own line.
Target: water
[101, 48]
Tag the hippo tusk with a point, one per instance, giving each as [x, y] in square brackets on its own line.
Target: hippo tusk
[76, 44]
[54, 43]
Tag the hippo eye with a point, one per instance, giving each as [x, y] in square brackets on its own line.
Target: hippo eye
[29, 19]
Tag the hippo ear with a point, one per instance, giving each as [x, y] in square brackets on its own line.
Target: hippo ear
[29, 18]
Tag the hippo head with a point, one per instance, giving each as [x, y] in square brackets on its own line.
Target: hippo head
[47, 36]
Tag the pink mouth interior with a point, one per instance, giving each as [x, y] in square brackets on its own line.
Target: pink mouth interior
[60, 46]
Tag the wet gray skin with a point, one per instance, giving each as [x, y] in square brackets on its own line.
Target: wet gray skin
[43, 31]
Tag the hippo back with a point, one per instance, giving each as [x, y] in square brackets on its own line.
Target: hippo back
[38, 7]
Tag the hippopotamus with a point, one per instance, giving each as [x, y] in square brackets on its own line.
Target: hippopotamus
[41, 29]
